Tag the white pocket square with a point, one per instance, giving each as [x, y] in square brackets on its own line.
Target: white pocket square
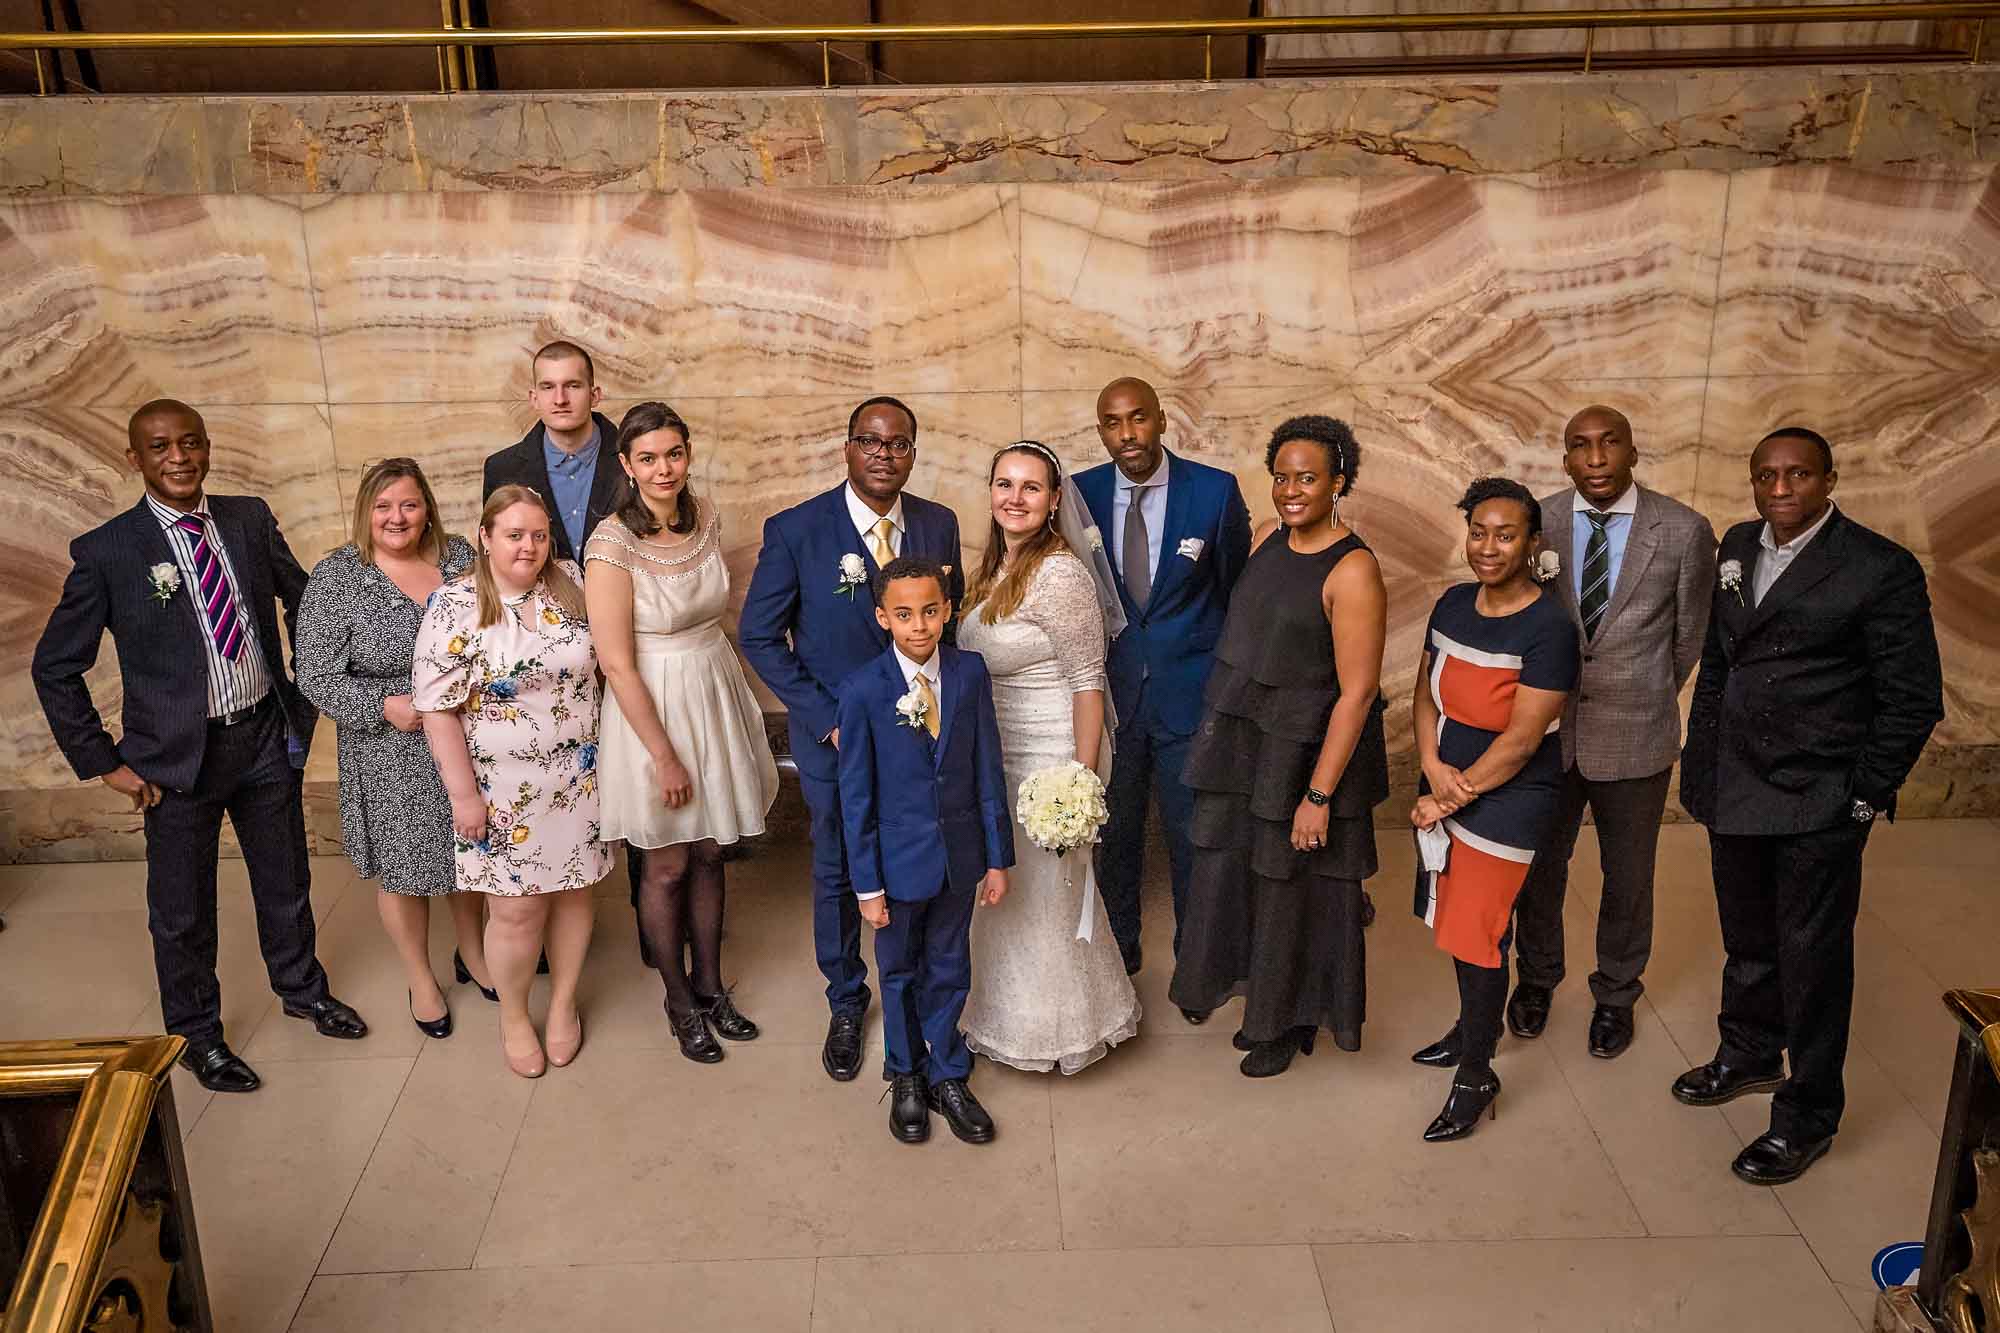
[1191, 547]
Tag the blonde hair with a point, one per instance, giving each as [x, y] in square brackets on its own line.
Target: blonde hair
[378, 479]
[561, 588]
[1000, 595]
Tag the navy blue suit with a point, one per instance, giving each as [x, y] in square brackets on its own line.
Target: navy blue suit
[1159, 668]
[925, 820]
[803, 634]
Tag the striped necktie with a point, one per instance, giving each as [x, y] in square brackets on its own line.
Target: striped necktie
[219, 608]
[1596, 574]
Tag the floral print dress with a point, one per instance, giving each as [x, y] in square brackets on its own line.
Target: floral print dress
[525, 688]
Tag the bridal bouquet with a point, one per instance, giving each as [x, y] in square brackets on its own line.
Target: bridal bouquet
[1061, 808]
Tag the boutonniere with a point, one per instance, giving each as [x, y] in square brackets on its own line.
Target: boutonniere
[165, 580]
[1094, 539]
[1547, 565]
[853, 573]
[1730, 574]
[911, 710]
[1191, 547]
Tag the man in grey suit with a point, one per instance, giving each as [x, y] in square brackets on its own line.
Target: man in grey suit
[1637, 575]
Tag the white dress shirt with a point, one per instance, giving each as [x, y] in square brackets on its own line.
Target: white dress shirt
[1776, 559]
[931, 672]
[1152, 505]
[232, 686]
[865, 520]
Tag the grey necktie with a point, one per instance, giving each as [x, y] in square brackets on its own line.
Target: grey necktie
[1136, 552]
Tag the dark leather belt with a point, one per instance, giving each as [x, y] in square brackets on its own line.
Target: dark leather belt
[241, 715]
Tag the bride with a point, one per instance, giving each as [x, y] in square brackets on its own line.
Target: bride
[1049, 989]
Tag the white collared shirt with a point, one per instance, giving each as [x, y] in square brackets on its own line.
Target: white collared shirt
[232, 686]
[1776, 559]
[1620, 516]
[1152, 505]
[931, 672]
[865, 520]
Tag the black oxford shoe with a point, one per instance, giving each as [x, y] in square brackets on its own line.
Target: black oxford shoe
[842, 1053]
[1528, 1011]
[962, 1111]
[1610, 1031]
[1717, 1082]
[1773, 1159]
[909, 1108]
[218, 1068]
[330, 1018]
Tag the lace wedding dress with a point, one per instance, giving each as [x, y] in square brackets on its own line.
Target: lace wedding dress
[1042, 998]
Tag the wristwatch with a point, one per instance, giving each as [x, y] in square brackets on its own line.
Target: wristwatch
[1862, 811]
[1316, 796]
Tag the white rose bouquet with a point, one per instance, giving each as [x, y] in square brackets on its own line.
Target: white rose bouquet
[1062, 808]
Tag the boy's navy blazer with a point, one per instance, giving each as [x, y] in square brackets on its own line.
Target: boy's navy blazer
[922, 814]
[1169, 647]
[804, 632]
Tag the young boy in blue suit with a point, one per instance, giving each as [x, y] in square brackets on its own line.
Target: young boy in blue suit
[928, 831]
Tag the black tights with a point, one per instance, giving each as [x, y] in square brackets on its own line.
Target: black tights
[680, 904]
[1482, 1000]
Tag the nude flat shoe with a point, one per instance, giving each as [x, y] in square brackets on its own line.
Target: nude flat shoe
[562, 1052]
[528, 1065]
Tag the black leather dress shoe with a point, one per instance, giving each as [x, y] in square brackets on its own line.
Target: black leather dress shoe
[1610, 1031]
[218, 1068]
[1445, 1052]
[1773, 1159]
[1528, 1011]
[1196, 1016]
[962, 1111]
[1717, 1082]
[909, 1108]
[842, 1053]
[330, 1017]
[726, 1019]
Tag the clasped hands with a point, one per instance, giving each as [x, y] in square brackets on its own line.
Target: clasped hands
[1450, 792]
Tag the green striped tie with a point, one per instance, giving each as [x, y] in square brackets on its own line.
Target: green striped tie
[1596, 574]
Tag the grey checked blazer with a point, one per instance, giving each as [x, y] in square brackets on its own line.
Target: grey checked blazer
[1623, 720]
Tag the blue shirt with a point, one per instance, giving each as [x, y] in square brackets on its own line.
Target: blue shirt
[1617, 531]
[570, 478]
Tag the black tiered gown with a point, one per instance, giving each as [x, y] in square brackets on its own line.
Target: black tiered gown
[1280, 927]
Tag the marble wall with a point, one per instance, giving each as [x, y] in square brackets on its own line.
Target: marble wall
[1455, 316]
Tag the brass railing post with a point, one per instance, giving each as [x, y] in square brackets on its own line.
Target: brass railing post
[1589, 47]
[1208, 57]
[449, 76]
[826, 64]
[42, 78]
[468, 55]
[1978, 40]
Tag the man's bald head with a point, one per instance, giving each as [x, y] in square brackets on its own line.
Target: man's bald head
[1599, 454]
[1597, 417]
[161, 407]
[166, 442]
[1130, 424]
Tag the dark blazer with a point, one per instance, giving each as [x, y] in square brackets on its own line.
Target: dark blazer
[1823, 693]
[524, 465]
[161, 658]
[1169, 648]
[803, 631]
[922, 815]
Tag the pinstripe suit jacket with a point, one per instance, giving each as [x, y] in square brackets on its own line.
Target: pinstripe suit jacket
[1623, 720]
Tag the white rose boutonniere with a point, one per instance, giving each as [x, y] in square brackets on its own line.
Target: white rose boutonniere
[1547, 565]
[165, 580]
[1095, 538]
[1730, 575]
[853, 573]
[911, 709]
[1191, 547]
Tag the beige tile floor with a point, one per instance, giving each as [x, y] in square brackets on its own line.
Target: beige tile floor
[400, 1183]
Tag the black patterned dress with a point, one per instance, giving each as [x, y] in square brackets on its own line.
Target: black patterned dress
[357, 634]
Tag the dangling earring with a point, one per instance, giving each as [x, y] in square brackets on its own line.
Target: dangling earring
[1336, 509]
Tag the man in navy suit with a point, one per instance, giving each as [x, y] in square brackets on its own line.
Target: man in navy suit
[1178, 534]
[188, 584]
[929, 829]
[809, 622]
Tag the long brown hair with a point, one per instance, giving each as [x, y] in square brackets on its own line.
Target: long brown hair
[378, 479]
[999, 596]
[562, 589]
[633, 511]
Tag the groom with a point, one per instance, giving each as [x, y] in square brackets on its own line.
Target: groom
[1178, 535]
[808, 622]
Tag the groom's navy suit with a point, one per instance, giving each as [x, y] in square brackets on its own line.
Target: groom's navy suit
[1159, 669]
[925, 820]
[803, 632]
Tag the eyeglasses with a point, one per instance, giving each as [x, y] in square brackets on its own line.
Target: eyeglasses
[902, 446]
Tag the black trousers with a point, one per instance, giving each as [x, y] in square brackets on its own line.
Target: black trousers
[246, 774]
[1627, 813]
[1788, 905]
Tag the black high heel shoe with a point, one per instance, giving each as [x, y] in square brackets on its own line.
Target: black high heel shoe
[459, 970]
[1445, 1052]
[436, 1028]
[727, 1020]
[1463, 1108]
[1267, 1059]
[697, 1042]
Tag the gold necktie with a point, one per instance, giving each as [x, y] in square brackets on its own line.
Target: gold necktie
[930, 702]
[878, 543]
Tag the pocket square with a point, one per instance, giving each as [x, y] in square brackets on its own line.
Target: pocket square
[1191, 547]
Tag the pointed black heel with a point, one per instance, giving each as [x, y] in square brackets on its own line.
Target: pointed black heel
[1463, 1109]
[464, 975]
[1445, 1052]
[1267, 1059]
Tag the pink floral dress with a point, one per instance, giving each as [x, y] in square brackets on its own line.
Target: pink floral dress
[526, 689]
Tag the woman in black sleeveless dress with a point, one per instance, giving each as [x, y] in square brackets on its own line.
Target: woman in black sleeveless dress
[1287, 767]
